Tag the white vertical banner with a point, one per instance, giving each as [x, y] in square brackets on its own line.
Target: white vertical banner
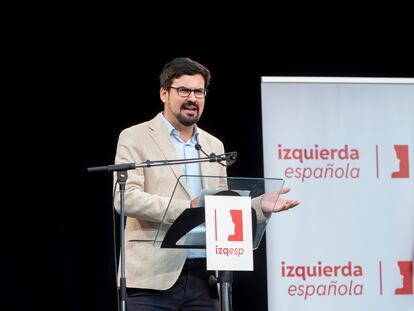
[346, 148]
[229, 243]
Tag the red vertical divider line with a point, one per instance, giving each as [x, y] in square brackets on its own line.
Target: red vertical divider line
[380, 276]
[215, 223]
[377, 161]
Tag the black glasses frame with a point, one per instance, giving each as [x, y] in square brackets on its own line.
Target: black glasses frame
[185, 92]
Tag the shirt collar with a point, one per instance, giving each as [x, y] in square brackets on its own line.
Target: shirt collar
[172, 131]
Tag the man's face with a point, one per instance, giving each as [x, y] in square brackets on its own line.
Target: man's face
[181, 111]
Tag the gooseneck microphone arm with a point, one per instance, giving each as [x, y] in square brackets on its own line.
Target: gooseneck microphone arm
[230, 157]
[211, 155]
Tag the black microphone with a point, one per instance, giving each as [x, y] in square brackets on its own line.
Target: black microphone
[229, 157]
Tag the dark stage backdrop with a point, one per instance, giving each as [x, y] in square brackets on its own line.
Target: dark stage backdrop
[65, 257]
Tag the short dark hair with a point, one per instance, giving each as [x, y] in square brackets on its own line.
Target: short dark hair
[182, 66]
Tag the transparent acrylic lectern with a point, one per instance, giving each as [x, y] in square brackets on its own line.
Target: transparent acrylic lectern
[183, 227]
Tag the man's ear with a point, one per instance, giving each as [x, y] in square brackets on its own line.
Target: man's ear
[163, 95]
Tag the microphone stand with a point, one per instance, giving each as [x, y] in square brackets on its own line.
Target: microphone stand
[122, 175]
[224, 279]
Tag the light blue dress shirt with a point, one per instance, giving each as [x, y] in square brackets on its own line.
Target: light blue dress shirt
[187, 150]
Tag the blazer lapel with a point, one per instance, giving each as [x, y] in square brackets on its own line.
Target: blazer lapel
[206, 167]
[162, 139]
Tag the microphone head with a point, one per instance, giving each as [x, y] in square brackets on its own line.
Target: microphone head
[198, 146]
[231, 158]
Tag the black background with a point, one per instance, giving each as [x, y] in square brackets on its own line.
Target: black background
[83, 85]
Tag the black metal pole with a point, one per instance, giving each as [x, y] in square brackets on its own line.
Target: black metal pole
[225, 279]
[122, 178]
[226, 157]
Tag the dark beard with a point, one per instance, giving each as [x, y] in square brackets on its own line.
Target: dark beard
[186, 121]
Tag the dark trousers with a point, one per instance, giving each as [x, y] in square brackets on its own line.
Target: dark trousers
[191, 292]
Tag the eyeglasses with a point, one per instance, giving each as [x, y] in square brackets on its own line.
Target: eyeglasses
[185, 92]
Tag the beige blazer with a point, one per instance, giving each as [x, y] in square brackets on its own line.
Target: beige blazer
[147, 194]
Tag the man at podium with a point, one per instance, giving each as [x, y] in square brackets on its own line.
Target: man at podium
[159, 278]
